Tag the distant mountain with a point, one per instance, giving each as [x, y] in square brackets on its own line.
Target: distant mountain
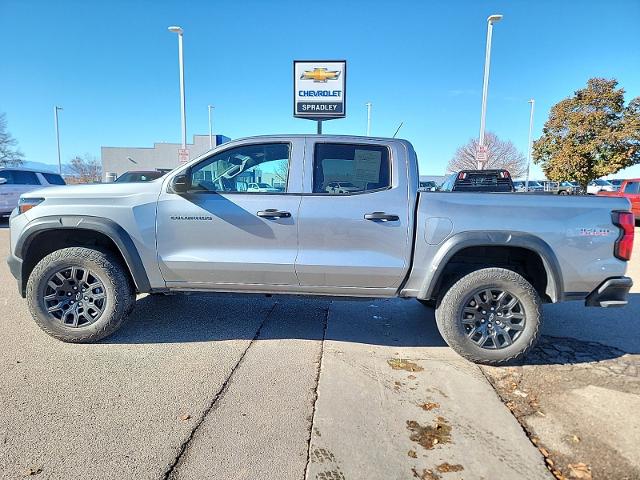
[47, 167]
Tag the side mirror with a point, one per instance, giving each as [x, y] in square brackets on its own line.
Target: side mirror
[3, 180]
[181, 183]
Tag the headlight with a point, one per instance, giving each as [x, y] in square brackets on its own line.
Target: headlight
[28, 203]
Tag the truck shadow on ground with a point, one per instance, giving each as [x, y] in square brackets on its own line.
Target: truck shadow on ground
[571, 334]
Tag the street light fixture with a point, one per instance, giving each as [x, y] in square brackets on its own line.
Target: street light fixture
[210, 107]
[485, 84]
[179, 31]
[55, 116]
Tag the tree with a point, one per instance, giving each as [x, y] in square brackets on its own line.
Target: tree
[9, 155]
[86, 169]
[500, 154]
[590, 135]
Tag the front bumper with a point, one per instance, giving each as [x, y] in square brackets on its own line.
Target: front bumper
[15, 266]
[613, 292]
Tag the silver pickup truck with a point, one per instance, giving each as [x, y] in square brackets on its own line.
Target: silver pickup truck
[341, 216]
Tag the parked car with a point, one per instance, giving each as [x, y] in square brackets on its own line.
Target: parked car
[428, 186]
[487, 261]
[341, 187]
[599, 185]
[534, 186]
[136, 176]
[261, 187]
[629, 189]
[16, 181]
[616, 182]
[478, 181]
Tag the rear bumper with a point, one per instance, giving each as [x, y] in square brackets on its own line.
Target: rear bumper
[613, 292]
[15, 266]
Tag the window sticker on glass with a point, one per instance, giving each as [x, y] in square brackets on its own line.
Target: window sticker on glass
[367, 166]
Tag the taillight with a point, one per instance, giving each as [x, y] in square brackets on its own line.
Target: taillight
[623, 247]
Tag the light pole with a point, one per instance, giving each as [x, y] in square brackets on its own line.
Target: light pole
[180, 32]
[368, 104]
[210, 107]
[533, 103]
[485, 84]
[55, 116]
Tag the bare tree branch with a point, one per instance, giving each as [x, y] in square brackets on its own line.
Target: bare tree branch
[86, 168]
[500, 154]
[9, 155]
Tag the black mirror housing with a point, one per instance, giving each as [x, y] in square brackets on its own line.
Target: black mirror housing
[181, 183]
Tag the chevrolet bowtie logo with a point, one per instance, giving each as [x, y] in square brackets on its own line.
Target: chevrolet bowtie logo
[320, 75]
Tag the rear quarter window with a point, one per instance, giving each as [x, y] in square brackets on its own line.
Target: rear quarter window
[21, 177]
[53, 179]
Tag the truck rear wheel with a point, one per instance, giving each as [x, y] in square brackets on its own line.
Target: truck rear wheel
[491, 316]
[79, 294]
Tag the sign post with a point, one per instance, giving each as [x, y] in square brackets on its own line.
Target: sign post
[481, 156]
[183, 155]
[319, 90]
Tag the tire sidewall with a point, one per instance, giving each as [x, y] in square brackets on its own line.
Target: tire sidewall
[451, 309]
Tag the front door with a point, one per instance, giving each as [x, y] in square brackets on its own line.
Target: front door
[355, 220]
[221, 233]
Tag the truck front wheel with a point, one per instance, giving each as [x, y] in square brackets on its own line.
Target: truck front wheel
[80, 294]
[491, 316]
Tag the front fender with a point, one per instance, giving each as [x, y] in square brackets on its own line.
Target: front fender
[107, 227]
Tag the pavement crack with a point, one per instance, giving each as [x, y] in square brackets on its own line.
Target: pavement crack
[315, 392]
[219, 394]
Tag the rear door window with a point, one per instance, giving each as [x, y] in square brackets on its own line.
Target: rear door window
[346, 169]
[21, 177]
[632, 187]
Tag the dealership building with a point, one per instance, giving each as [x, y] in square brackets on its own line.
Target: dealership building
[117, 160]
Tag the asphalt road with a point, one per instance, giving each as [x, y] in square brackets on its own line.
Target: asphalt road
[230, 386]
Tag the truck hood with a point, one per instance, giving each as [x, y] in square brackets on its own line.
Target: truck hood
[97, 190]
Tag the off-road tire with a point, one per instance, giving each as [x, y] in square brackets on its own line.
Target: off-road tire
[120, 295]
[449, 315]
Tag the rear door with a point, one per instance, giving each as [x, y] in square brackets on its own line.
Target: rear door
[360, 236]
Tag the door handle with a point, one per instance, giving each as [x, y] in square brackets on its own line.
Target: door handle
[381, 217]
[273, 213]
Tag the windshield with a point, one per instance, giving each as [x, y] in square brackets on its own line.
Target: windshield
[264, 185]
[602, 183]
[346, 184]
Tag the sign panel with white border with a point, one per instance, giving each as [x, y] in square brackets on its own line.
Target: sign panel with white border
[319, 89]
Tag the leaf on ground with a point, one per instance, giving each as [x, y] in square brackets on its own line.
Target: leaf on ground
[447, 467]
[580, 471]
[429, 406]
[412, 454]
[185, 417]
[404, 364]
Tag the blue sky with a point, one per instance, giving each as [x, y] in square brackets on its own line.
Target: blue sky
[113, 67]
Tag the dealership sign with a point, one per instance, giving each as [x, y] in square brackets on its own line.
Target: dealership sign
[319, 89]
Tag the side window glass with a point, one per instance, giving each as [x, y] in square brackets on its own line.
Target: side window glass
[260, 168]
[8, 176]
[20, 177]
[343, 169]
[53, 178]
[632, 187]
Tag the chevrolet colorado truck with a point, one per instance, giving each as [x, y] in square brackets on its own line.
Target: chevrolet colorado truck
[486, 261]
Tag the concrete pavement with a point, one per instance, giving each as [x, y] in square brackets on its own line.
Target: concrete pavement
[229, 386]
